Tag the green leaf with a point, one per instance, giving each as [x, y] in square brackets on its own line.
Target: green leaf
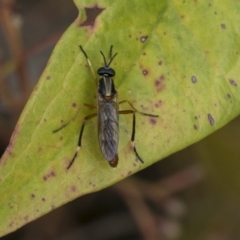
[176, 59]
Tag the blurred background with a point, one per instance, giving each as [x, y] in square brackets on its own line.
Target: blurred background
[191, 195]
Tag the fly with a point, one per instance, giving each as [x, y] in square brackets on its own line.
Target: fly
[107, 114]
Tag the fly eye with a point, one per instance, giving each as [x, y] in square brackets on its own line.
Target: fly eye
[106, 71]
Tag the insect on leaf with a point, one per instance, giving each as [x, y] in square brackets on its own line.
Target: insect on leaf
[176, 59]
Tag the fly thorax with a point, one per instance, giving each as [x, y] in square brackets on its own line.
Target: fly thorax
[106, 86]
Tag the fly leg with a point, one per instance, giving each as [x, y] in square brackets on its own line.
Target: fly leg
[133, 132]
[133, 112]
[80, 137]
[89, 64]
[73, 118]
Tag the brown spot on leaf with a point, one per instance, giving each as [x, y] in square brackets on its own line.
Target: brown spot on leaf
[145, 72]
[91, 15]
[144, 108]
[48, 77]
[32, 196]
[159, 83]
[162, 77]
[73, 188]
[158, 104]
[211, 119]
[160, 63]
[48, 175]
[74, 105]
[232, 81]
[229, 95]
[153, 121]
[143, 39]
[223, 26]
[10, 224]
[195, 127]
[193, 79]
[92, 184]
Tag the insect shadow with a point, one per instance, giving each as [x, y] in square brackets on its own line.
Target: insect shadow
[107, 113]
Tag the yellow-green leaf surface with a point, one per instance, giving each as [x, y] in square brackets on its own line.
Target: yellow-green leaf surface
[176, 59]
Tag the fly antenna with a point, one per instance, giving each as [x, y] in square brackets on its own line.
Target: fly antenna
[110, 52]
[110, 55]
[105, 62]
[112, 59]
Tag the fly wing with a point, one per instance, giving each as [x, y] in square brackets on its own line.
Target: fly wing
[108, 127]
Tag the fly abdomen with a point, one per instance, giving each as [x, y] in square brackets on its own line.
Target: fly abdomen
[108, 129]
